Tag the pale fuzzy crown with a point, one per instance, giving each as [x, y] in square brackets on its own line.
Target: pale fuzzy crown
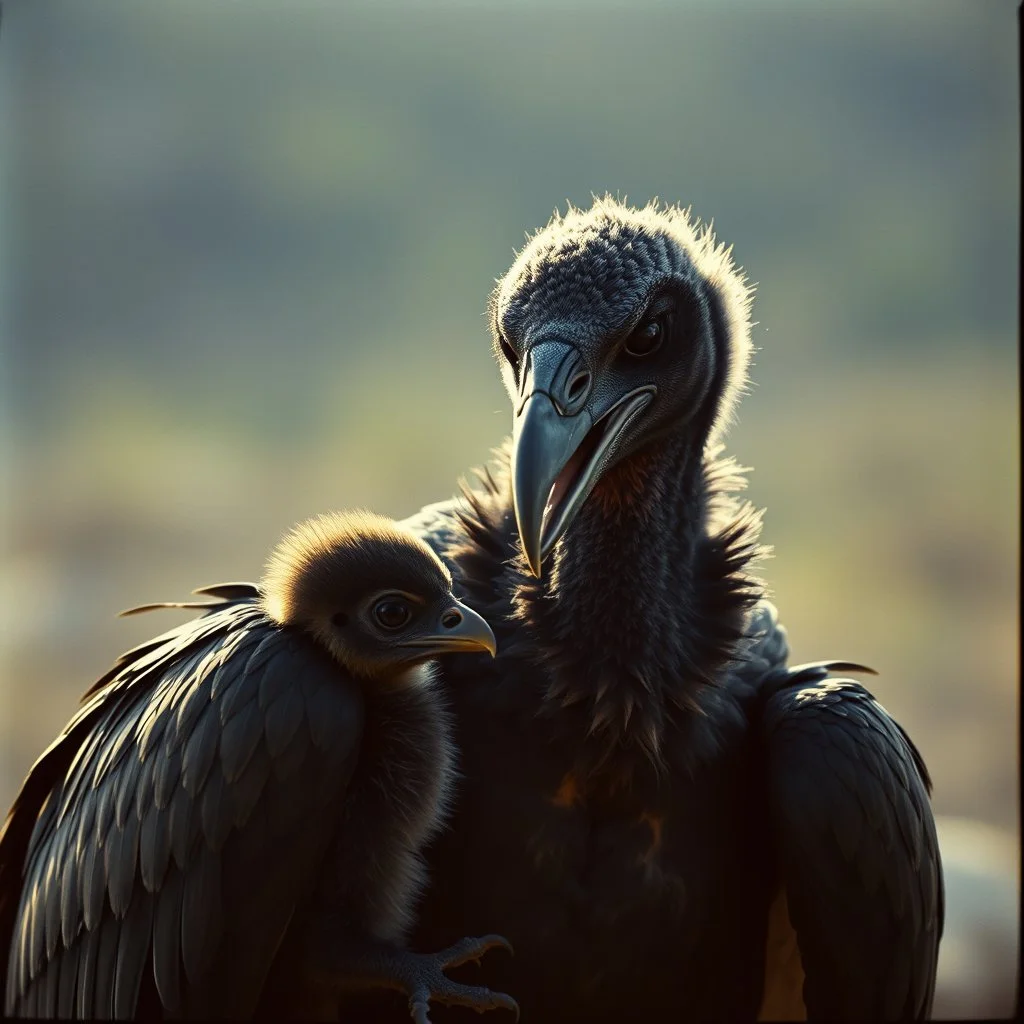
[333, 559]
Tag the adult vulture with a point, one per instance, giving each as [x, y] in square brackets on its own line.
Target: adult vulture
[232, 824]
[666, 820]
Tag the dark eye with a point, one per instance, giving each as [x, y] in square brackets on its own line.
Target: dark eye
[647, 338]
[508, 352]
[392, 613]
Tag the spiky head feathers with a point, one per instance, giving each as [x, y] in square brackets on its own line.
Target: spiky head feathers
[590, 273]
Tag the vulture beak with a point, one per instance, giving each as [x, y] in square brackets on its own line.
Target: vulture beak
[560, 446]
[459, 628]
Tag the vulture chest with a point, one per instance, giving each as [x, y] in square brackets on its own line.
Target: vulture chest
[621, 901]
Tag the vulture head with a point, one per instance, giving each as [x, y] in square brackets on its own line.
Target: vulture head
[617, 330]
[371, 593]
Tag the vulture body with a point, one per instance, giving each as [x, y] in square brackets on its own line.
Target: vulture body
[232, 823]
[684, 827]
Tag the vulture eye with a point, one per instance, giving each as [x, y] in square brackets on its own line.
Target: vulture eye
[392, 613]
[509, 353]
[647, 338]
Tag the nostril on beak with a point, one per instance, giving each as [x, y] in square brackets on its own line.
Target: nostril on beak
[451, 619]
[578, 385]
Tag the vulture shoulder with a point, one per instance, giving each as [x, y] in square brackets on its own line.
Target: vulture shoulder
[475, 535]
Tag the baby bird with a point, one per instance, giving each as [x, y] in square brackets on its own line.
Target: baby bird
[231, 825]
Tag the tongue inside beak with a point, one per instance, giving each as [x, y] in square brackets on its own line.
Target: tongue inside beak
[542, 439]
[572, 471]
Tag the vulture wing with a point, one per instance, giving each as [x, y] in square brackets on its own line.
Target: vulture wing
[474, 535]
[160, 845]
[855, 837]
[438, 525]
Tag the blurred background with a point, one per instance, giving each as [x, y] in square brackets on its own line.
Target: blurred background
[245, 252]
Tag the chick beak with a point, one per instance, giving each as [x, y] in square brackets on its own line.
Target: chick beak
[459, 628]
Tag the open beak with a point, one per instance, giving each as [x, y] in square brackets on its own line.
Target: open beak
[557, 459]
[460, 629]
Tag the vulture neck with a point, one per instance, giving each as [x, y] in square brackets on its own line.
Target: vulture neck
[646, 599]
[624, 571]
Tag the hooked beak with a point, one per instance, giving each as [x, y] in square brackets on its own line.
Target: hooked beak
[459, 629]
[557, 458]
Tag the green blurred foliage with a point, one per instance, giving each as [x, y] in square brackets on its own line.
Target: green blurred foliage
[246, 250]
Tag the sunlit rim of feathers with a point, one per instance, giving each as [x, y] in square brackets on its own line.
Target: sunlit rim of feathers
[711, 260]
[333, 552]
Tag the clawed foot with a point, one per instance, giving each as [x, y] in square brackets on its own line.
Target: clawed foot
[424, 979]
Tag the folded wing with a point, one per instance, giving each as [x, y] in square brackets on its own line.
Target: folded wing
[165, 839]
[856, 841]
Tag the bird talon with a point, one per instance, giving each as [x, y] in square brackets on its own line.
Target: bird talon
[471, 950]
[423, 978]
[419, 1007]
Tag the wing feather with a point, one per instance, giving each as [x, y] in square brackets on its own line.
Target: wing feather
[37, 934]
[31, 1003]
[231, 591]
[70, 899]
[93, 884]
[201, 913]
[165, 776]
[203, 731]
[106, 964]
[143, 795]
[154, 848]
[247, 789]
[121, 859]
[49, 986]
[179, 826]
[69, 966]
[858, 850]
[132, 954]
[216, 820]
[174, 776]
[233, 667]
[167, 941]
[89, 948]
[51, 904]
[239, 738]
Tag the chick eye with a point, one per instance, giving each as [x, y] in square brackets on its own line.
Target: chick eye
[647, 338]
[392, 613]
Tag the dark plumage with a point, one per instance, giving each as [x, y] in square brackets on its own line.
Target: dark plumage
[232, 823]
[661, 797]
